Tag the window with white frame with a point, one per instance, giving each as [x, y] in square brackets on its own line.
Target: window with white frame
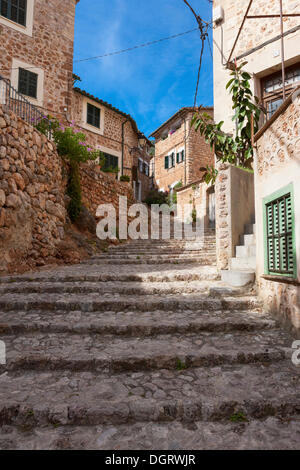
[93, 116]
[14, 10]
[180, 156]
[28, 83]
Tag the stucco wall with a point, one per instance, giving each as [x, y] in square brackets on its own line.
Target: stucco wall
[277, 164]
[241, 203]
[255, 32]
[261, 62]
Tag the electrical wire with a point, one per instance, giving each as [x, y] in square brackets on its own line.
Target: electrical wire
[138, 46]
[122, 51]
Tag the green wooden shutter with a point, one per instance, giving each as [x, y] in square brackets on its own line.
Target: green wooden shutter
[280, 237]
[166, 162]
[178, 158]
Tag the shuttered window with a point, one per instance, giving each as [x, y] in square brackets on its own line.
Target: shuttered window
[172, 160]
[93, 115]
[14, 10]
[180, 157]
[28, 83]
[166, 162]
[280, 234]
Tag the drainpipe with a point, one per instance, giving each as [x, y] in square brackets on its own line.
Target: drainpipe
[122, 165]
[185, 155]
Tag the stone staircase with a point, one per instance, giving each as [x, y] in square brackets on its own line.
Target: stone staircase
[143, 354]
[243, 265]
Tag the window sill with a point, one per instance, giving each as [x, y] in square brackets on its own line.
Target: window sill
[282, 279]
[27, 30]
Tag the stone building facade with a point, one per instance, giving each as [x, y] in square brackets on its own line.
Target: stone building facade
[259, 44]
[277, 176]
[37, 59]
[116, 134]
[37, 51]
[180, 152]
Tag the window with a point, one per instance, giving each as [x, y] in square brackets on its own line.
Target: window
[141, 166]
[180, 157]
[172, 160]
[28, 82]
[14, 10]
[280, 251]
[111, 162]
[166, 162]
[93, 115]
[146, 169]
[272, 96]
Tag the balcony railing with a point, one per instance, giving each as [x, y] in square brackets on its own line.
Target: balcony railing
[12, 100]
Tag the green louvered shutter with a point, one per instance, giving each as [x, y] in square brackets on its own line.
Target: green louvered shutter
[173, 160]
[280, 236]
[166, 162]
[178, 158]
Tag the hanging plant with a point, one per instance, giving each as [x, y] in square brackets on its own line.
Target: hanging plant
[237, 149]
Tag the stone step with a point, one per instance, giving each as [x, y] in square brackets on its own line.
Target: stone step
[116, 303]
[254, 434]
[157, 256]
[110, 353]
[120, 288]
[250, 229]
[153, 260]
[245, 251]
[238, 278]
[248, 263]
[187, 395]
[146, 274]
[249, 239]
[169, 243]
[165, 251]
[164, 254]
[129, 324]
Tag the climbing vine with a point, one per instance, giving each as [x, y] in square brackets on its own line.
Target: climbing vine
[72, 147]
[237, 149]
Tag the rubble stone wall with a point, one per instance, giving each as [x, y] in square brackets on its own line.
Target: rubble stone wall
[32, 212]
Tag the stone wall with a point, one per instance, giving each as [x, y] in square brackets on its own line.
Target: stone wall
[50, 48]
[32, 212]
[196, 195]
[277, 164]
[223, 231]
[102, 188]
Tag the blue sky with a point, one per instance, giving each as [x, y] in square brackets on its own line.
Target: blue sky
[150, 83]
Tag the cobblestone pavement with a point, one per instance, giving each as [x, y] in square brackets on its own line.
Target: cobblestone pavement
[143, 355]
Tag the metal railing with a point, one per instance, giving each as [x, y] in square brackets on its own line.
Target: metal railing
[12, 100]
